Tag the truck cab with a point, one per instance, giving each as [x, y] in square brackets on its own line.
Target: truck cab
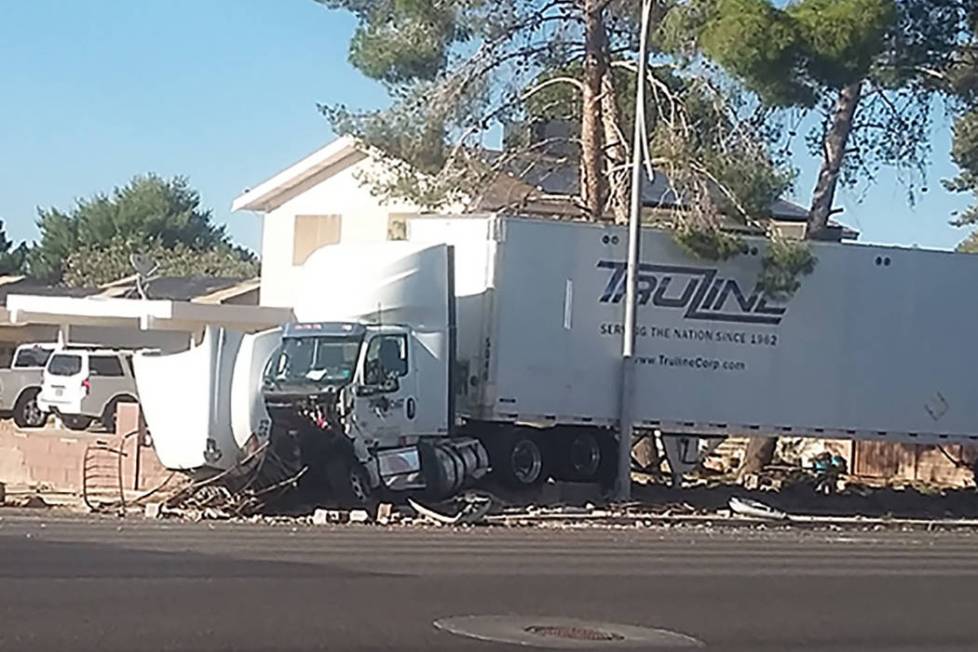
[357, 391]
[372, 369]
[363, 381]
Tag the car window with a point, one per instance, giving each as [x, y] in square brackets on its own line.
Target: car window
[64, 364]
[104, 365]
[32, 357]
[386, 357]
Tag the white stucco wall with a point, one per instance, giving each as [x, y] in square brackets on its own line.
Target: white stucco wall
[341, 193]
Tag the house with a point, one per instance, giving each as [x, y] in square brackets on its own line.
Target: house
[324, 200]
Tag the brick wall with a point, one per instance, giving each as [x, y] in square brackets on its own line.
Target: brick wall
[53, 459]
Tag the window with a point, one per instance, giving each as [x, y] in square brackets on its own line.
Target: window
[64, 364]
[104, 365]
[33, 357]
[387, 357]
[313, 232]
[321, 361]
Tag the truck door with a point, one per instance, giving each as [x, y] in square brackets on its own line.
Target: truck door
[386, 402]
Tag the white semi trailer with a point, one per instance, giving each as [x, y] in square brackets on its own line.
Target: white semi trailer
[495, 343]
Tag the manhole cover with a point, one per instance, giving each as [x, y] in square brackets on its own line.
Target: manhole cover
[563, 633]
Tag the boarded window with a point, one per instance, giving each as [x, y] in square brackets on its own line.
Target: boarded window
[313, 232]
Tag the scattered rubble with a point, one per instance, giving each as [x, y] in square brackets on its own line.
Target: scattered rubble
[755, 509]
[359, 516]
[780, 496]
[32, 501]
[328, 516]
[384, 513]
[474, 509]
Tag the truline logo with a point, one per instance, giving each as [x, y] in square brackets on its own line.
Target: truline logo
[697, 289]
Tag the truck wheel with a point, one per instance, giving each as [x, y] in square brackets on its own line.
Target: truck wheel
[26, 412]
[608, 468]
[581, 456]
[519, 460]
[76, 421]
[349, 482]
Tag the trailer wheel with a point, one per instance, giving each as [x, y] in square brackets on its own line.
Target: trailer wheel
[608, 468]
[26, 412]
[519, 460]
[349, 482]
[581, 456]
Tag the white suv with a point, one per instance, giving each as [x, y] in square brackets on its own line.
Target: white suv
[84, 385]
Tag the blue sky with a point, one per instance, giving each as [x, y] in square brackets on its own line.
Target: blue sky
[225, 92]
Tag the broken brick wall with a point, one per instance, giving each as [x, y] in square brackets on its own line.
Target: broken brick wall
[53, 459]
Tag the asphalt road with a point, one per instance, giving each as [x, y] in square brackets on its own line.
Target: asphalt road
[83, 584]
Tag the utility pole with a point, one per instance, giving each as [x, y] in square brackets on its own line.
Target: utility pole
[623, 490]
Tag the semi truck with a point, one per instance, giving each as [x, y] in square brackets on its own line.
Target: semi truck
[492, 344]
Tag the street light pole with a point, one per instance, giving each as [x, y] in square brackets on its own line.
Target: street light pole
[627, 412]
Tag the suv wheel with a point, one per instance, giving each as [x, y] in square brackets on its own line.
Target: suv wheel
[110, 413]
[26, 412]
[76, 421]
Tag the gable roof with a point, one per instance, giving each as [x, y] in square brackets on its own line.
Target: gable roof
[272, 193]
[557, 177]
[198, 289]
[550, 176]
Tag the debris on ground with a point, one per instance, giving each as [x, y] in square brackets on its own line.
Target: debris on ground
[330, 516]
[359, 516]
[32, 501]
[755, 509]
[241, 491]
[385, 512]
[474, 508]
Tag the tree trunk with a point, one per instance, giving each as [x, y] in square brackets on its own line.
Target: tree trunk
[616, 151]
[592, 129]
[833, 153]
[759, 453]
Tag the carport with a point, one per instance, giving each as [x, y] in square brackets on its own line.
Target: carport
[137, 318]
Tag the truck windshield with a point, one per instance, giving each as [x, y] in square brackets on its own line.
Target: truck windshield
[313, 361]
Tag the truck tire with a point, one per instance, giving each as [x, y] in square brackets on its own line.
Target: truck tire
[26, 413]
[580, 455]
[608, 470]
[519, 460]
[76, 421]
[349, 482]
